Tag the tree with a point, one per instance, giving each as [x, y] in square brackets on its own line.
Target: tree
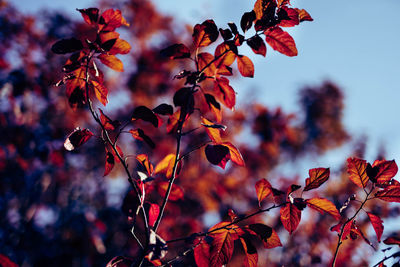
[165, 141]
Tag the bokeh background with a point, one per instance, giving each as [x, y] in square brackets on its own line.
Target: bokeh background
[58, 207]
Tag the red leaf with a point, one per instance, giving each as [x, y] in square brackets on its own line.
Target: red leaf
[357, 170]
[263, 189]
[386, 170]
[257, 44]
[144, 160]
[107, 123]
[6, 262]
[267, 235]
[377, 223]
[176, 192]
[112, 62]
[392, 241]
[245, 66]
[281, 41]
[213, 133]
[206, 65]
[389, 194]
[224, 54]
[90, 15]
[223, 243]
[303, 15]
[251, 256]
[176, 51]
[139, 134]
[65, 46]
[110, 161]
[205, 33]
[77, 138]
[235, 155]
[202, 254]
[289, 17]
[290, 217]
[323, 205]
[318, 176]
[217, 155]
[153, 211]
[225, 92]
[110, 20]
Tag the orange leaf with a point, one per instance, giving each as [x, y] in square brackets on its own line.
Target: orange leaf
[214, 106]
[323, 205]
[166, 165]
[139, 134]
[225, 92]
[176, 192]
[110, 20]
[389, 194]
[235, 155]
[107, 123]
[202, 254]
[267, 235]
[251, 256]
[120, 47]
[377, 223]
[318, 176]
[205, 33]
[224, 54]
[357, 170]
[290, 217]
[385, 170]
[223, 243]
[100, 91]
[110, 161]
[112, 62]
[204, 60]
[281, 41]
[213, 133]
[245, 66]
[144, 160]
[263, 189]
[303, 15]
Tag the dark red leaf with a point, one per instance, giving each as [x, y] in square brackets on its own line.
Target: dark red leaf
[152, 210]
[263, 189]
[77, 138]
[6, 262]
[139, 134]
[65, 46]
[323, 205]
[145, 114]
[389, 194]
[110, 161]
[90, 15]
[250, 251]
[377, 223]
[281, 41]
[202, 254]
[205, 33]
[164, 109]
[176, 51]
[392, 241]
[225, 92]
[257, 44]
[318, 176]
[267, 235]
[247, 20]
[303, 15]
[357, 170]
[290, 217]
[217, 155]
[289, 17]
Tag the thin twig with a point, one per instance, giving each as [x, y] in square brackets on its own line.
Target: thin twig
[394, 255]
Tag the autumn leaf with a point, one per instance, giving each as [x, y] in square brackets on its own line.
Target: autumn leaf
[257, 44]
[281, 41]
[323, 205]
[223, 242]
[139, 134]
[202, 254]
[384, 170]
[153, 211]
[289, 17]
[120, 47]
[263, 189]
[90, 15]
[6, 262]
[245, 66]
[217, 155]
[235, 155]
[266, 234]
[318, 176]
[109, 165]
[112, 62]
[225, 92]
[77, 138]
[65, 46]
[176, 51]
[206, 64]
[214, 106]
[145, 162]
[110, 20]
[224, 55]
[303, 15]
[204, 34]
[290, 217]
[176, 191]
[107, 123]
[100, 91]
[164, 109]
[389, 194]
[247, 20]
[166, 165]
[251, 256]
[212, 132]
[392, 241]
[357, 170]
[145, 114]
[377, 223]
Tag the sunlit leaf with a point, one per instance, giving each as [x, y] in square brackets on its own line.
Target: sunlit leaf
[224, 55]
[303, 15]
[225, 92]
[166, 165]
[323, 205]
[206, 64]
[384, 170]
[289, 17]
[107, 123]
[245, 66]
[120, 47]
[235, 155]
[290, 217]
[100, 91]
[318, 176]
[213, 133]
[281, 41]
[112, 62]
[250, 252]
[202, 254]
[267, 235]
[90, 15]
[357, 170]
[176, 192]
[110, 20]
[144, 160]
[389, 194]
[377, 223]
[153, 211]
[263, 189]
[77, 138]
[204, 34]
